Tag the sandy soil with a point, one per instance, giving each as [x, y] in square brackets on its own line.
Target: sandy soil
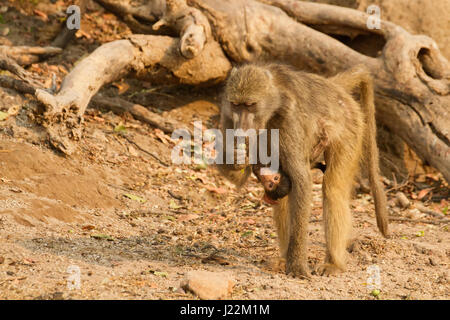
[57, 212]
[134, 226]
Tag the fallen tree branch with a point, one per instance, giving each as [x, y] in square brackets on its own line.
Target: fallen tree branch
[190, 24]
[429, 211]
[10, 65]
[154, 57]
[145, 151]
[139, 19]
[139, 112]
[157, 57]
[25, 55]
[335, 18]
[18, 85]
[435, 222]
[175, 18]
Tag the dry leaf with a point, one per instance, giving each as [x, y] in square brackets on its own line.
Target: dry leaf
[216, 259]
[433, 176]
[63, 70]
[216, 190]
[41, 14]
[423, 193]
[80, 33]
[28, 261]
[162, 136]
[421, 178]
[122, 86]
[187, 217]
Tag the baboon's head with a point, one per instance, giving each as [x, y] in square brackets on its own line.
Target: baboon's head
[249, 97]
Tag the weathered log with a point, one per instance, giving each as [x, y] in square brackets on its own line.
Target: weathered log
[139, 19]
[411, 76]
[154, 57]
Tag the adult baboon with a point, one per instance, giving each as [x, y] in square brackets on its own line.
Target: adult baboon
[304, 108]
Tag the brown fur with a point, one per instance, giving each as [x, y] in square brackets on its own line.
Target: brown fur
[306, 108]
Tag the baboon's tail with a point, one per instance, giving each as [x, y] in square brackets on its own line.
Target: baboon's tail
[359, 77]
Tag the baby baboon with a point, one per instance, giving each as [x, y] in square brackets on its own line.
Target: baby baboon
[305, 108]
[276, 185]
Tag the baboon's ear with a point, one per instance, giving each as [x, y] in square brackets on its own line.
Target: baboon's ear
[268, 74]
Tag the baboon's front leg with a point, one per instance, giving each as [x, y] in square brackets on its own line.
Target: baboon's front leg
[299, 212]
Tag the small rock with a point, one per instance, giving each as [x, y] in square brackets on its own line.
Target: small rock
[57, 296]
[402, 200]
[354, 247]
[364, 186]
[432, 262]
[187, 217]
[5, 31]
[392, 203]
[423, 248]
[414, 214]
[2, 259]
[208, 285]
[366, 258]
[179, 290]
[100, 136]
[132, 151]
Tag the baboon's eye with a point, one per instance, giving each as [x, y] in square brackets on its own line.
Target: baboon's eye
[250, 104]
[236, 104]
[276, 178]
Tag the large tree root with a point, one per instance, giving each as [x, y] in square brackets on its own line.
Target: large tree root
[154, 57]
[140, 19]
[411, 76]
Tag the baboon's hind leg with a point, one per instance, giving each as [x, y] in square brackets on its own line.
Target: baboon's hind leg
[342, 164]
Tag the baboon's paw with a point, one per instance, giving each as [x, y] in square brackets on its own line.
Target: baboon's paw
[328, 269]
[298, 270]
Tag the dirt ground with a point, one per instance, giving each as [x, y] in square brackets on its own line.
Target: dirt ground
[134, 224]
